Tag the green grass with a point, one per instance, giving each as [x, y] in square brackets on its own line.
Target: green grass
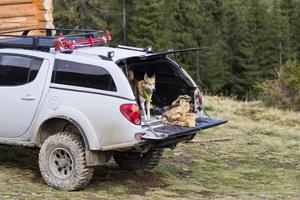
[262, 161]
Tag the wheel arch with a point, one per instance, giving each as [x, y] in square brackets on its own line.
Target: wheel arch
[57, 124]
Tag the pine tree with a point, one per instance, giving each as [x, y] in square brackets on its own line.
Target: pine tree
[262, 42]
[64, 15]
[84, 14]
[238, 52]
[214, 72]
[115, 15]
[167, 22]
[289, 12]
[186, 32]
[143, 23]
[275, 32]
[295, 29]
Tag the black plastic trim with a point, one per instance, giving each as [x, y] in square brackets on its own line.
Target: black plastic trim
[170, 142]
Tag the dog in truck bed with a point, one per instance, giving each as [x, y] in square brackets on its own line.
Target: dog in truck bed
[144, 89]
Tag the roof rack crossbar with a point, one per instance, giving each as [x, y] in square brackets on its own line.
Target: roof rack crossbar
[53, 38]
[49, 30]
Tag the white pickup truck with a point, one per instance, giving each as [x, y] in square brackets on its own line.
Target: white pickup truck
[70, 96]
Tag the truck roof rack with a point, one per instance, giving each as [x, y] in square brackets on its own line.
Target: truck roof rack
[58, 38]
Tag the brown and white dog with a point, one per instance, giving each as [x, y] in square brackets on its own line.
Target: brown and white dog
[144, 89]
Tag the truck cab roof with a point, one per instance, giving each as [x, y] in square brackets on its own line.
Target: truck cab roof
[119, 53]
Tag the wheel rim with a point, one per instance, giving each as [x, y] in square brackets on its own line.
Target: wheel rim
[61, 163]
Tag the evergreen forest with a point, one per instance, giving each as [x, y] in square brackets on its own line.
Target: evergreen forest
[247, 40]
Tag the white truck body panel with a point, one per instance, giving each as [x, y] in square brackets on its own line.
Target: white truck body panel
[23, 100]
[95, 111]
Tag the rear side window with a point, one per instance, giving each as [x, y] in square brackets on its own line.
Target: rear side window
[18, 70]
[82, 75]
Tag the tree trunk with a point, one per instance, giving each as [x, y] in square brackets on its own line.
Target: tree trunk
[124, 23]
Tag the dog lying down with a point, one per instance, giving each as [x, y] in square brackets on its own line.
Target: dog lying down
[180, 113]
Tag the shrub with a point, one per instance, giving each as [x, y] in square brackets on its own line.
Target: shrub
[284, 91]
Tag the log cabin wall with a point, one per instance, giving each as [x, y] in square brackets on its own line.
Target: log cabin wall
[23, 14]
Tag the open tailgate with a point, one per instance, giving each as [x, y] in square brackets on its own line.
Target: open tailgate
[163, 132]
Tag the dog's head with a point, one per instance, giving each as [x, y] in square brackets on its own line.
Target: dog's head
[149, 83]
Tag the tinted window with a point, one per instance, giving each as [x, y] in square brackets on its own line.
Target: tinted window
[35, 68]
[82, 75]
[18, 70]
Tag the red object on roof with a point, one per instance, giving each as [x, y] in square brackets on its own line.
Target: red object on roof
[62, 43]
[108, 36]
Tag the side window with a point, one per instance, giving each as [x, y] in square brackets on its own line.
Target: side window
[82, 75]
[18, 70]
[35, 68]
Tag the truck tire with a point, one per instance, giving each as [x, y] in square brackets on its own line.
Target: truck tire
[136, 161]
[62, 162]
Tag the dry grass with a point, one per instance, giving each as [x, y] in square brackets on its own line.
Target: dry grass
[261, 162]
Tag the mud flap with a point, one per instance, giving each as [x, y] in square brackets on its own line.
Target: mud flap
[170, 131]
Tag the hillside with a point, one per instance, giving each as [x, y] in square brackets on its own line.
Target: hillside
[262, 161]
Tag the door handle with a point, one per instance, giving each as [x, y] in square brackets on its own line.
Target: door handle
[28, 97]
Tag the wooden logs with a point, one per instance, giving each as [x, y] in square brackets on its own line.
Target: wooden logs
[43, 4]
[17, 10]
[12, 2]
[20, 14]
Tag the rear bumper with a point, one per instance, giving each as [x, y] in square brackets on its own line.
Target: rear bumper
[166, 135]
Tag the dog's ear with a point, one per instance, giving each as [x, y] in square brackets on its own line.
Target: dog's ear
[146, 76]
[153, 76]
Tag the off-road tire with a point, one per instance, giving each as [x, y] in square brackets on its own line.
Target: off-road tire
[137, 161]
[80, 174]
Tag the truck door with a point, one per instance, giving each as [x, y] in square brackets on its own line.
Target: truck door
[22, 80]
